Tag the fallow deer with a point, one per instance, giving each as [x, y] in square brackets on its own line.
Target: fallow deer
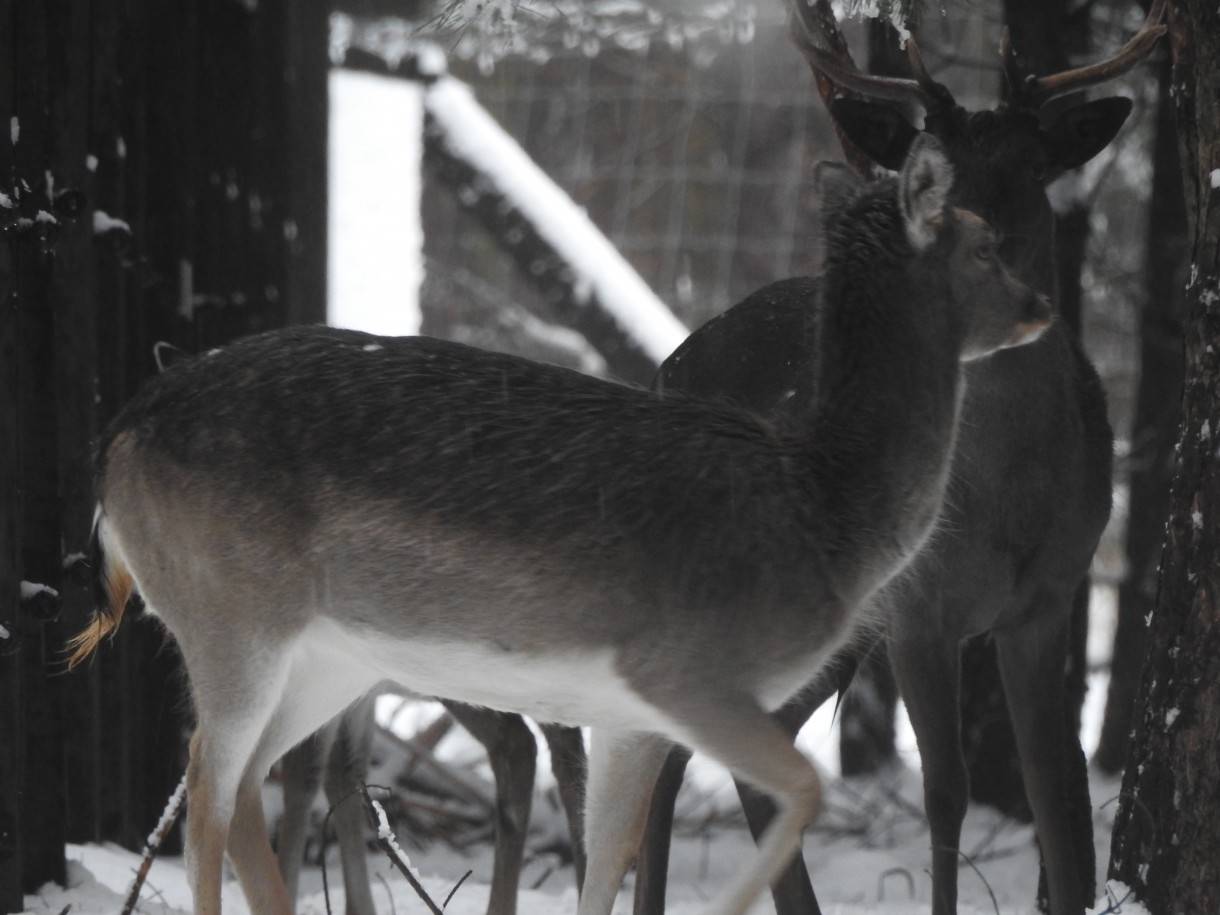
[311, 511]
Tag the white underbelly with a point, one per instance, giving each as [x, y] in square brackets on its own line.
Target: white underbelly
[569, 687]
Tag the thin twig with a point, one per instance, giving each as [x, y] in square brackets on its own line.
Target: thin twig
[994, 902]
[457, 886]
[1115, 904]
[385, 884]
[153, 844]
[387, 842]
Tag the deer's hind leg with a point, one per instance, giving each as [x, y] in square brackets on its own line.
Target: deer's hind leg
[347, 768]
[233, 707]
[623, 768]
[738, 733]
[246, 722]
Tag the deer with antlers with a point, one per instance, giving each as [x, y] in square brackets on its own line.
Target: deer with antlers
[1030, 491]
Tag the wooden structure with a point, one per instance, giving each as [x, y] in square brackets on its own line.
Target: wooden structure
[162, 177]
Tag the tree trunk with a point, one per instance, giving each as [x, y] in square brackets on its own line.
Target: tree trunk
[1166, 843]
[1154, 431]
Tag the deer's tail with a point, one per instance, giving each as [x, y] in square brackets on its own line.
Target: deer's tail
[112, 586]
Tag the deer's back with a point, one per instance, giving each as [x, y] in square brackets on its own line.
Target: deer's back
[415, 484]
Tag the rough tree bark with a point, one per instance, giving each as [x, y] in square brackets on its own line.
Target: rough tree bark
[1154, 430]
[1166, 843]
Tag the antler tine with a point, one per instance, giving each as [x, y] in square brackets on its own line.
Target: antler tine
[1037, 91]
[813, 30]
[933, 92]
[804, 23]
[851, 79]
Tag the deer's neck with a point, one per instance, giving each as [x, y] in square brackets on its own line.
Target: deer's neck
[884, 420]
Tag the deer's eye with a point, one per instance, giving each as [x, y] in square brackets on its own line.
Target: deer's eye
[986, 251]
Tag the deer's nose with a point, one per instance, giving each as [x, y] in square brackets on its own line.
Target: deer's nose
[1038, 318]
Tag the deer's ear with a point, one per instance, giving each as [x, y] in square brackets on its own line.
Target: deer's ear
[167, 355]
[882, 133]
[1079, 133]
[923, 189]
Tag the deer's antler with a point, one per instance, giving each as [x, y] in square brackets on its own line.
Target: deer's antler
[814, 31]
[1035, 91]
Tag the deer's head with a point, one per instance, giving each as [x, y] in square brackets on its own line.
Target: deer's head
[1002, 157]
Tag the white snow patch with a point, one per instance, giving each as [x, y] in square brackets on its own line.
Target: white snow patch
[871, 9]
[1196, 520]
[4, 633]
[14, 129]
[46, 218]
[372, 347]
[431, 60]
[91, 163]
[1118, 898]
[1205, 431]
[1171, 716]
[103, 222]
[376, 239]
[6, 201]
[474, 136]
[1215, 179]
[31, 590]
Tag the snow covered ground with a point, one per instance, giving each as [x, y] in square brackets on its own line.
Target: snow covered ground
[867, 854]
